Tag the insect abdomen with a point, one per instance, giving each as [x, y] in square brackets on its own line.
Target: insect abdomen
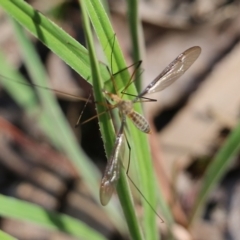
[139, 121]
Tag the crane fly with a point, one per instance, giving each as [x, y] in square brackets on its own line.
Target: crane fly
[169, 75]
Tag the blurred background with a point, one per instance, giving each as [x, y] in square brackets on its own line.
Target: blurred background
[190, 120]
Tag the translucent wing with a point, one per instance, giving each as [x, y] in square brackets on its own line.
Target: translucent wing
[173, 71]
[112, 172]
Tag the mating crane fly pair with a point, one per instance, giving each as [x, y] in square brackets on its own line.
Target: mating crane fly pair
[169, 75]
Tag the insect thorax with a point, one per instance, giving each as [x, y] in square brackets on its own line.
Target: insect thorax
[125, 107]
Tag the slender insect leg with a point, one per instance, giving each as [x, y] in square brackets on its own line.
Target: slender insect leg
[84, 107]
[110, 71]
[145, 199]
[112, 79]
[114, 38]
[131, 80]
[132, 65]
[33, 85]
[142, 98]
[109, 106]
[124, 69]
[137, 188]
[112, 75]
[137, 65]
[129, 155]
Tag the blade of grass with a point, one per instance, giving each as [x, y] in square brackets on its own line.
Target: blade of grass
[5, 236]
[217, 168]
[39, 26]
[17, 209]
[136, 37]
[68, 49]
[138, 50]
[48, 32]
[54, 120]
[107, 130]
[39, 77]
[23, 95]
[105, 33]
[106, 36]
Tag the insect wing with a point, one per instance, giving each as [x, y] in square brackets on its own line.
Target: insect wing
[173, 71]
[112, 172]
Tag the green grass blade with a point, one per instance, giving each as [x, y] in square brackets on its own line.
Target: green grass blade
[68, 49]
[217, 168]
[136, 37]
[138, 50]
[5, 236]
[56, 120]
[51, 117]
[56, 40]
[139, 144]
[107, 127]
[17, 209]
[39, 77]
[107, 39]
[97, 82]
